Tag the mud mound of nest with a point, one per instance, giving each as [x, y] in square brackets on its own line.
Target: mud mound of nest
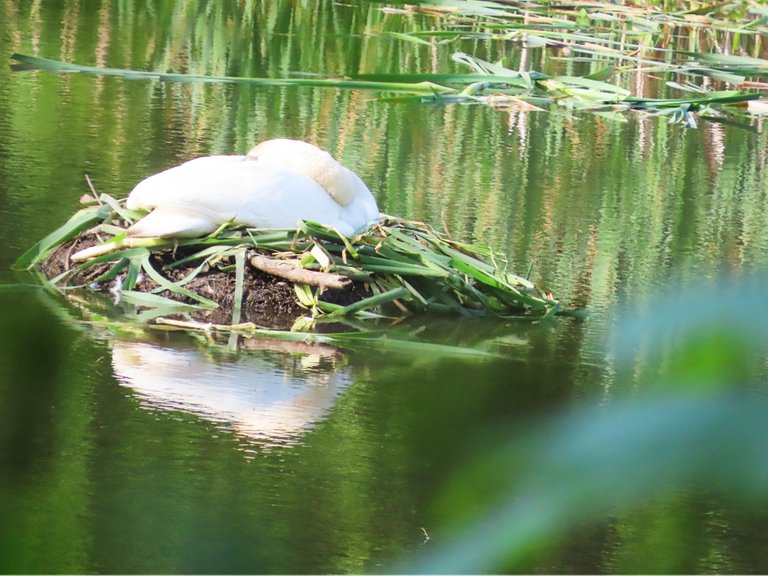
[272, 277]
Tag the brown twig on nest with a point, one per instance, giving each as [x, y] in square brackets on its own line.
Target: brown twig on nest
[286, 270]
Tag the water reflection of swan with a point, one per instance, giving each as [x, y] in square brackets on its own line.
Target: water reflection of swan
[271, 397]
[277, 184]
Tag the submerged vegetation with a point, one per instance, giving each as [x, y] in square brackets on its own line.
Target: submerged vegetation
[396, 267]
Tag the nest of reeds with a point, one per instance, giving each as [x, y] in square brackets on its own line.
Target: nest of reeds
[271, 277]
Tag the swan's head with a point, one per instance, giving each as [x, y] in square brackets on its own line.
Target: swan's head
[340, 183]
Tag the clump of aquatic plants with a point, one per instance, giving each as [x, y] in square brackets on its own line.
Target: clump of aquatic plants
[708, 56]
[397, 267]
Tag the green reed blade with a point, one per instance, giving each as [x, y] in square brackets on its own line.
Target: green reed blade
[127, 253]
[513, 78]
[128, 216]
[239, 279]
[205, 254]
[82, 220]
[133, 270]
[373, 301]
[37, 63]
[147, 300]
[384, 342]
[112, 272]
[174, 287]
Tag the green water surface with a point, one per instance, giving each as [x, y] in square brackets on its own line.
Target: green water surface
[125, 453]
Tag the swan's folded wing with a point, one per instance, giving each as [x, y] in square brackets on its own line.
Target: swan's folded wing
[172, 222]
[192, 182]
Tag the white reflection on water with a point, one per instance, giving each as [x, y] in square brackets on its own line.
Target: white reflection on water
[271, 396]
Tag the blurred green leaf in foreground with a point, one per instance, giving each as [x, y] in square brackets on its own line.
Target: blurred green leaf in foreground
[686, 414]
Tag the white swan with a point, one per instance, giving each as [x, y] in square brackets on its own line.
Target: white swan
[277, 184]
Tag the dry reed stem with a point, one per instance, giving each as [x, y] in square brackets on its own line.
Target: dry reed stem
[287, 271]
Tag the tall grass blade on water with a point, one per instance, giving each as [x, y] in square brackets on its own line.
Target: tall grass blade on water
[489, 83]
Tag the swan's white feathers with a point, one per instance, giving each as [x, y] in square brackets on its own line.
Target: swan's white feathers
[310, 161]
[278, 183]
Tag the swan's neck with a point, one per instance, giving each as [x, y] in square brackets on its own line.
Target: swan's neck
[337, 181]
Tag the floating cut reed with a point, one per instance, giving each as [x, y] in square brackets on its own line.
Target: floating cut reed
[494, 85]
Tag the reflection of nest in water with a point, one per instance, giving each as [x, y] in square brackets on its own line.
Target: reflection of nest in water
[267, 300]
